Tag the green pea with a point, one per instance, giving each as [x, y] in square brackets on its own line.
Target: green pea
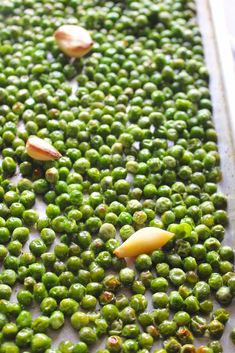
[8, 277]
[114, 343]
[40, 324]
[177, 276]
[9, 166]
[87, 335]
[221, 315]
[9, 347]
[130, 346]
[68, 306]
[223, 295]
[9, 330]
[138, 302]
[143, 262]
[167, 328]
[198, 325]
[24, 319]
[40, 342]
[48, 305]
[172, 343]
[127, 276]
[107, 231]
[56, 320]
[24, 337]
[182, 318]
[4, 235]
[145, 340]
[5, 291]
[80, 347]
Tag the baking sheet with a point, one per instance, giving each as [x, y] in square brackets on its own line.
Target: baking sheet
[219, 62]
[222, 86]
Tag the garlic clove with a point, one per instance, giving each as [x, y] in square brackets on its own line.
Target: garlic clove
[41, 150]
[143, 241]
[73, 40]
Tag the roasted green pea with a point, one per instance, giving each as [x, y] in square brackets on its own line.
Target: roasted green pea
[24, 337]
[56, 320]
[130, 346]
[172, 344]
[40, 324]
[40, 342]
[216, 329]
[48, 305]
[198, 325]
[177, 276]
[79, 320]
[221, 315]
[25, 297]
[159, 284]
[9, 347]
[114, 343]
[24, 319]
[88, 335]
[167, 328]
[182, 318]
[223, 295]
[68, 306]
[127, 315]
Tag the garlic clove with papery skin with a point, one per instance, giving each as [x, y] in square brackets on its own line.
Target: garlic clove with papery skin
[41, 150]
[74, 41]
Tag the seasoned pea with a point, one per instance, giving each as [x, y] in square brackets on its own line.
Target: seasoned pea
[177, 276]
[216, 329]
[56, 320]
[40, 324]
[40, 342]
[68, 306]
[167, 328]
[223, 295]
[198, 325]
[24, 319]
[127, 276]
[88, 335]
[24, 337]
[172, 344]
[182, 318]
[221, 315]
[114, 343]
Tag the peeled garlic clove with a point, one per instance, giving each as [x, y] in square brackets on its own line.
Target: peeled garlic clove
[74, 41]
[143, 241]
[41, 150]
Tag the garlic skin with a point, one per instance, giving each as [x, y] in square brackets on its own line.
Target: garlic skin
[143, 241]
[73, 40]
[41, 150]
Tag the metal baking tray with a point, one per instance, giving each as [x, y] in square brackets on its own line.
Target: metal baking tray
[218, 55]
[219, 61]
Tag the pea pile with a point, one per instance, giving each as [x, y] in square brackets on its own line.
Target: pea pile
[139, 148]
